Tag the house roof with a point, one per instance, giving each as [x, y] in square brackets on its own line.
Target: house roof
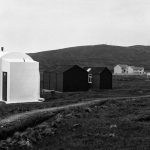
[94, 70]
[133, 67]
[136, 68]
[15, 57]
[2, 53]
[61, 69]
[122, 65]
[19, 60]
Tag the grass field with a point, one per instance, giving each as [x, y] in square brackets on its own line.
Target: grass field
[115, 125]
[122, 86]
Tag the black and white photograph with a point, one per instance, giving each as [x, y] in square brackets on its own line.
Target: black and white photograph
[74, 74]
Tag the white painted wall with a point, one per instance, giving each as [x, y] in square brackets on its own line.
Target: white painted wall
[130, 70]
[117, 69]
[148, 74]
[23, 79]
[141, 72]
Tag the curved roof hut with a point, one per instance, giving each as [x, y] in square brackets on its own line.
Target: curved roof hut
[19, 78]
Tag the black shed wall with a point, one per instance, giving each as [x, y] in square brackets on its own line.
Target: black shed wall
[95, 81]
[41, 80]
[46, 80]
[52, 81]
[102, 79]
[71, 80]
[105, 79]
[75, 79]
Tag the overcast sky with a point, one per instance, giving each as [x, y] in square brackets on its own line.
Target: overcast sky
[37, 25]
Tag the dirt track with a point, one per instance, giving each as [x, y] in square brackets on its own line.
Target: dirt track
[23, 120]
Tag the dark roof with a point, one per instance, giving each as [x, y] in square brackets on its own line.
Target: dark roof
[61, 69]
[95, 70]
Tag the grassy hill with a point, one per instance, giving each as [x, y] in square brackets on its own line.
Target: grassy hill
[96, 55]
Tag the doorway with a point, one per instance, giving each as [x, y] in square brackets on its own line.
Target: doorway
[4, 96]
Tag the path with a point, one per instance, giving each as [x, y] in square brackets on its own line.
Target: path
[31, 118]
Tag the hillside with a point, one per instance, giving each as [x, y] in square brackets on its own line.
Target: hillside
[97, 55]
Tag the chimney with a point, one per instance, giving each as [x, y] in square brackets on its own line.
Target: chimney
[2, 49]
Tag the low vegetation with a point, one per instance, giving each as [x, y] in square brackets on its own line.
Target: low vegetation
[115, 124]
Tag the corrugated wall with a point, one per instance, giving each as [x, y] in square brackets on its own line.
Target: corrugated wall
[41, 80]
[59, 82]
[52, 81]
[96, 81]
[106, 80]
[75, 79]
[46, 80]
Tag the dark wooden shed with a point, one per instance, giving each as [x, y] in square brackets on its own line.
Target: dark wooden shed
[100, 77]
[66, 79]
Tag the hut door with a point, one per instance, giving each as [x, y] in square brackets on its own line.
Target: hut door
[4, 86]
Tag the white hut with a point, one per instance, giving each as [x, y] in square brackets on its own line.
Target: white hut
[19, 78]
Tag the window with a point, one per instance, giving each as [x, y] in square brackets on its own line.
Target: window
[90, 78]
[124, 70]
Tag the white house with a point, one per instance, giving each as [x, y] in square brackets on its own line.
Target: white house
[121, 69]
[128, 70]
[137, 70]
[19, 78]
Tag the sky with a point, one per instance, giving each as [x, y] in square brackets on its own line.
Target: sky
[40, 25]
